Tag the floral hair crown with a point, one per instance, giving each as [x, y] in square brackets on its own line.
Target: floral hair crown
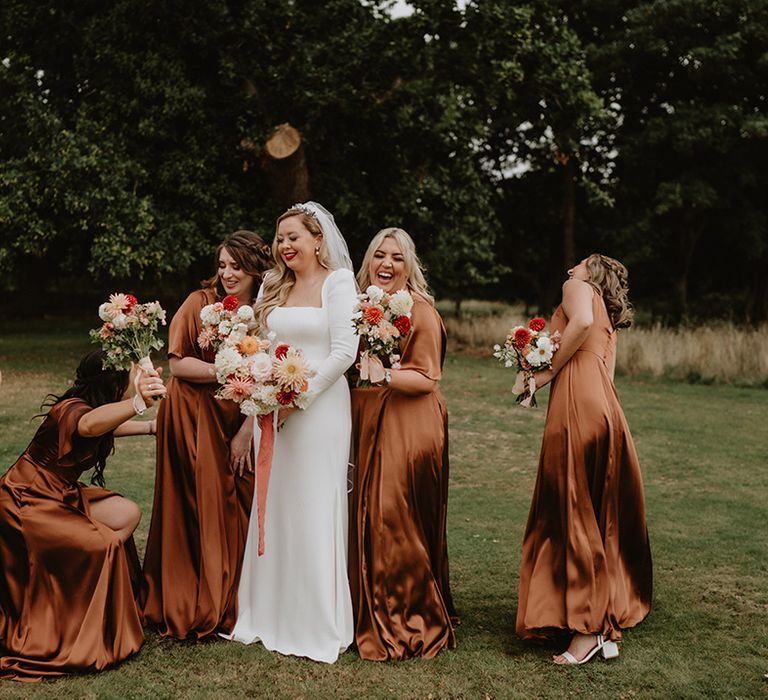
[304, 209]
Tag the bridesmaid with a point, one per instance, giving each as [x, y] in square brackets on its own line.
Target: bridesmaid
[398, 566]
[68, 561]
[201, 506]
[586, 561]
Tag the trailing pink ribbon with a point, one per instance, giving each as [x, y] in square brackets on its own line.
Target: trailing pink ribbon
[263, 468]
[371, 368]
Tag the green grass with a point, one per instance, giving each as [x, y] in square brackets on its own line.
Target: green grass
[703, 454]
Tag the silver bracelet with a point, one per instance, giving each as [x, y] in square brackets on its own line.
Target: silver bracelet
[387, 376]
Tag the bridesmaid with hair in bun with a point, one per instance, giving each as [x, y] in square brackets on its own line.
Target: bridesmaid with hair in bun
[586, 573]
[204, 481]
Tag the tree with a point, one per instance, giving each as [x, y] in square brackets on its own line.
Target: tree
[689, 81]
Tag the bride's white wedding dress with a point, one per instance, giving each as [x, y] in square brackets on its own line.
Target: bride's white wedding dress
[295, 598]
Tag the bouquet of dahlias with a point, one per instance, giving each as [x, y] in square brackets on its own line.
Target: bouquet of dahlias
[529, 349]
[262, 377]
[222, 320]
[381, 320]
[129, 334]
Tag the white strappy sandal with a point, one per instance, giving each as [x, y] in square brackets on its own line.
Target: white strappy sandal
[609, 649]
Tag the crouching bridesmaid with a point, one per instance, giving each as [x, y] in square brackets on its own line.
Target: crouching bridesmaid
[68, 567]
[398, 557]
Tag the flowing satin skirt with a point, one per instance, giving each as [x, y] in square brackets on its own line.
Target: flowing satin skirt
[586, 561]
[199, 516]
[398, 552]
[67, 582]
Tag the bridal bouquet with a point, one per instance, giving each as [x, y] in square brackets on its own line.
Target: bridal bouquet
[529, 349]
[222, 320]
[129, 331]
[381, 320]
[262, 377]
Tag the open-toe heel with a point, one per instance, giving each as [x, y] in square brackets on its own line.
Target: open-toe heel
[610, 650]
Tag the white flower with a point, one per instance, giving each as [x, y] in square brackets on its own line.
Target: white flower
[375, 294]
[248, 407]
[401, 303]
[544, 343]
[208, 316]
[245, 313]
[104, 314]
[238, 332]
[265, 396]
[228, 361]
[260, 366]
[225, 328]
[539, 356]
[120, 321]
[302, 400]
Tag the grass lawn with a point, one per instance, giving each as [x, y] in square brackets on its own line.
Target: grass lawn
[703, 452]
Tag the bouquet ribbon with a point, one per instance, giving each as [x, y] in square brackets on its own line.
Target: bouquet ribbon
[526, 402]
[263, 468]
[144, 365]
[371, 369]
[525, 388]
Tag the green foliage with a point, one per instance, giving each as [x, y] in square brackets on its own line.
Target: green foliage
[130, 137]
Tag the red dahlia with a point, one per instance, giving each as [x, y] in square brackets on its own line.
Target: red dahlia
[281, 351]
[403, 324]
[522, 338]
[537, 324]
[285, 398]
[132, 301]
[230, 302]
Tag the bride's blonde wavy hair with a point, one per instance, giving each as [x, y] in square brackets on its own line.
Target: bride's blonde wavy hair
[611, 279]
[279, 280]
[414, 270]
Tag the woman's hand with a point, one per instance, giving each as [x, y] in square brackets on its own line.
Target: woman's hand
[241, 448]
[543, 378]
[151, 385]
[282, 415]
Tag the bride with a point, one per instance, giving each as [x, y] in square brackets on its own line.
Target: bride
[295, 597]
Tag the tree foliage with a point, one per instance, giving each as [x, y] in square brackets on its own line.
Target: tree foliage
[509, 139]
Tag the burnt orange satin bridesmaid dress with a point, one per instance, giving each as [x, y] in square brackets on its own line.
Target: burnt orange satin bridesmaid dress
[201, 506]
[586, 560]
[67, 582]
[398, 554]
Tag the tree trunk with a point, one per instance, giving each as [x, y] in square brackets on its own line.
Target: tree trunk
[562, 248]
[757, 299]
[687, 237]
[286, 165]
[569, 214]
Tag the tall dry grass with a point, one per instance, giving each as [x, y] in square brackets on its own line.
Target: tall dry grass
[721, 353]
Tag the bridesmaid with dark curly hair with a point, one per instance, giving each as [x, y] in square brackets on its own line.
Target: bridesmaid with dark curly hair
[586, 563]
[69, 571]
[204, 481]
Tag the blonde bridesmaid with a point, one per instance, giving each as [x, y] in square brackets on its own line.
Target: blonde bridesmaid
[204, 479]
[398, 554]
[586, 562]
[69, 569]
